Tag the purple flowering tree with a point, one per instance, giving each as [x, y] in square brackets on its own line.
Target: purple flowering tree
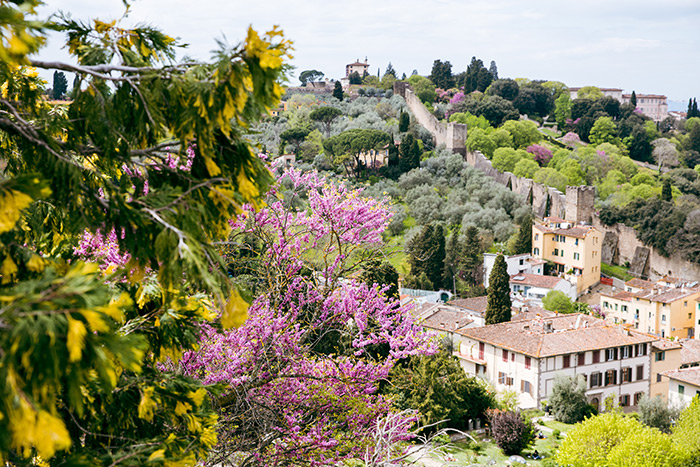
[542, 154]
[571, 139]
[303, 372]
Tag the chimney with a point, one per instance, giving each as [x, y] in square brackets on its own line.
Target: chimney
[548, 326]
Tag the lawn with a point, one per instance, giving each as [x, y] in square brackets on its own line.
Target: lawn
[615, 271]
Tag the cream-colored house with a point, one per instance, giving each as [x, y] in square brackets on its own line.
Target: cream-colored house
[575, 250]
[527, 355]
[683, 385]
[666, 308]
[665, 356]
[654, 106]
[356, 66]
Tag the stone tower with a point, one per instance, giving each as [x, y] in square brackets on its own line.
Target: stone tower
[580, 202]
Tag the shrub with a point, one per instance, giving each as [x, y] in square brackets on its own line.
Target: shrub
[568, 399]
[542, 154]
[511, 431]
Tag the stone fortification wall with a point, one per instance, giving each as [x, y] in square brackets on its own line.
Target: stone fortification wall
[545, 200]
[452, 135]
[621, 245]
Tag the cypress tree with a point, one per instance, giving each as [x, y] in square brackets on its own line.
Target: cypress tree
[338, 91]
[666, 193]
[409, 153]
[404, 121]
[633, 99]
[689, 112]
[696, 113]
[435, 263]
[524, 241]
[471, 257]
[453, 259]
[498, 303]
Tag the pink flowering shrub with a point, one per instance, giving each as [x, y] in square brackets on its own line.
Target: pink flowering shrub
[457, 98]
[571, 139]
[542, 154]
[303, 372]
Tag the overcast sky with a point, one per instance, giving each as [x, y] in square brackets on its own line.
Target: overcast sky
[649, 46]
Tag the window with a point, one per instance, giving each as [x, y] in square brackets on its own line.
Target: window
[624, 308]
[556, 252]
[577, 256]
[596, 356]
[576, 242]
[610, 377]
[595, 380]
[527, 362]
[660, 356]
[685, 303]
[663, 318]
[641, 349]
[561, 253]
[637, 397]
[481, 350]
[501, 378]
[690, 316]
[606, 304]
[681, 389]
[537, 236]
[512, 357]
[581, 359]
[640, 372]
[626, 375]
[624, 400]
[658, 377]
[567, 361]
[505, 355]
[610, 354]
[536, 251]
[625, 351]
[525, 386]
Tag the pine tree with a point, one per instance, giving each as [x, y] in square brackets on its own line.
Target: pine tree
[404, 121]
[338, 91]
[666, 192]
[426, 254]
[633, 99]
[435, 264]
[498, 303]
[524, 241]
[390, 70]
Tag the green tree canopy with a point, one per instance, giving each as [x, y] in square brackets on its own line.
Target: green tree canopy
[325, 116]
[150, 154]
[347, 147]
[556, 300]
[310, 76]
[498, 303]
[568, 400]
[338, 91]
[60, 85]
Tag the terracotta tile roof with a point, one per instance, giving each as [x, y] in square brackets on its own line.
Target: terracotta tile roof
[535, 280]
[690, 351]
[686, 375]
[447, 320]
[620, 295]
[554, 219]
[531, 338]
[671, 280]
[666, 344]
[578, 232]
[533, 312]
[477, 304]
[542, 228]
[639, 283]
[536, 261]
[666, 294]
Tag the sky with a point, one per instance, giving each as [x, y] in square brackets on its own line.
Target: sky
[651, 47]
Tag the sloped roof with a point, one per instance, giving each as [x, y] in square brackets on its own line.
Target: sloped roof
[639, 283]
[477, 304]
[535, 280]
[570, 334]
[690, 351]
[447, 320]
[686, 375]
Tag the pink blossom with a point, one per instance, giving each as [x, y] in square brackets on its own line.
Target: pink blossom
[542, 154]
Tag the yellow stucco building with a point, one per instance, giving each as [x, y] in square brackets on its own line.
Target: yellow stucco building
[574, 249]
[665, 308]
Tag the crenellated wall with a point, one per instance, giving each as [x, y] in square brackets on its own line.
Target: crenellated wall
[452, 135]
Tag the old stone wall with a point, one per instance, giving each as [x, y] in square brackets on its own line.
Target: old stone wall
[452, 135]
[537, 194]
[629, 249]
